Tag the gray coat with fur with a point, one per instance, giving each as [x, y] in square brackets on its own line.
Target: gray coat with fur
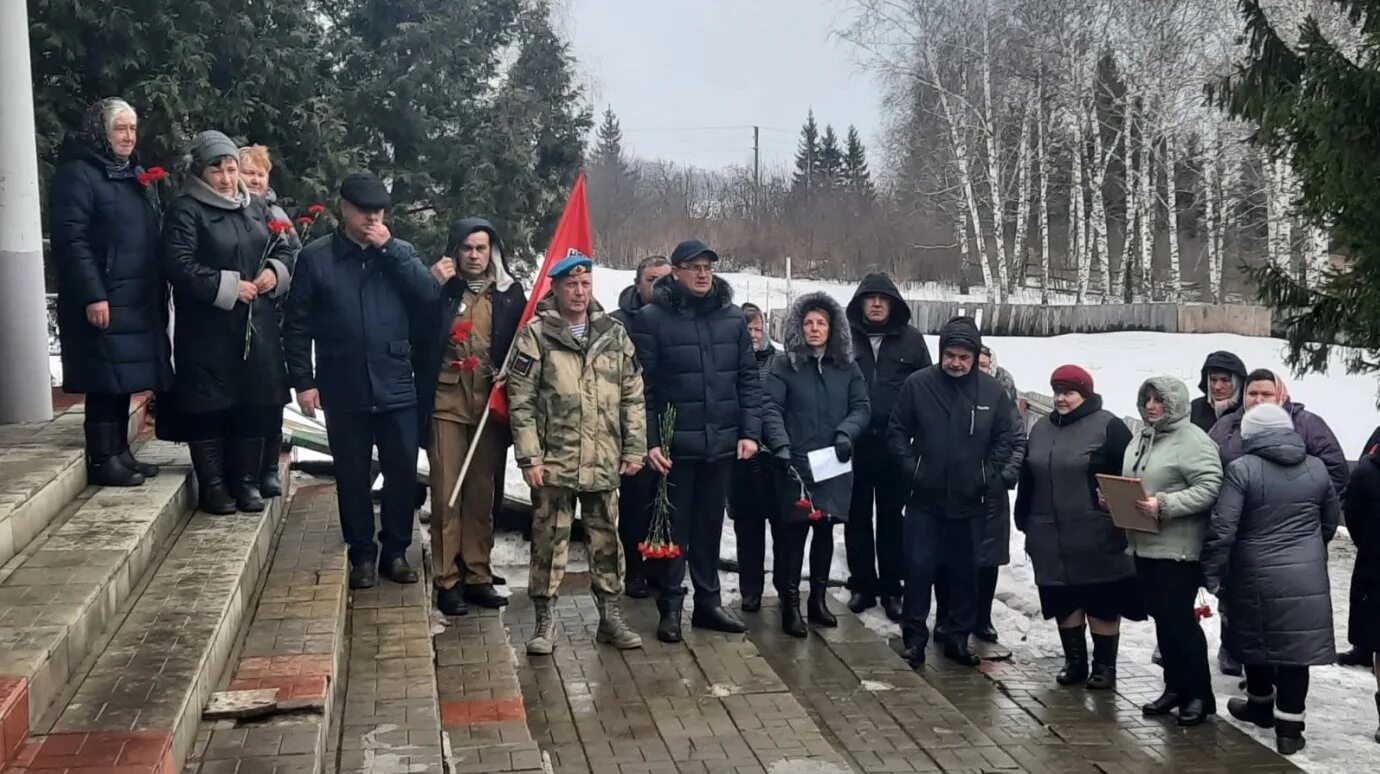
[811, 400]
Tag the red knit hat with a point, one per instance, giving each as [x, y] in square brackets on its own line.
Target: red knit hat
[1074, 378]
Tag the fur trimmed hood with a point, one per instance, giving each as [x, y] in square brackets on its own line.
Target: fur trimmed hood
[840, 345]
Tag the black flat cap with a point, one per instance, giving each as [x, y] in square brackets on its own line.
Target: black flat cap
[691, 249]
[365, 192]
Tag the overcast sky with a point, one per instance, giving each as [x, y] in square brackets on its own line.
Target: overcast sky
[675, 71]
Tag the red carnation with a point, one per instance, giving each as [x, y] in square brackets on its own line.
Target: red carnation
[1202, 611]
[470, 363]
[803, 504]
[816, 515]
[317, 209]
[152, 175]
[305, 221]
[460, 331]
[279, 227]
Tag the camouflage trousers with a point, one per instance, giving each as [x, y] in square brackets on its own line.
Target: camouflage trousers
[551, 520]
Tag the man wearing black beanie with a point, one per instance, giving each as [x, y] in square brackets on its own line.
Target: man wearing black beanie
[952, 429]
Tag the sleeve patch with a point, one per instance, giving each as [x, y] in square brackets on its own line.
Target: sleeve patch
[522, 364]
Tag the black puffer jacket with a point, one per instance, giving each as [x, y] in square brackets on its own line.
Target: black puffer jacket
[811, 400]
[208, 248]
[953, 436]
[1070, 540]
[104, 226]
[1202, 412]
[902, 352]
[697, 355]
[629, 304]
[1362, 509]
[1266, 553]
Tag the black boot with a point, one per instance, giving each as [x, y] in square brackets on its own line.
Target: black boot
[1259, 710]
[248, 458]
[126, 456]
[1103, 676]
[956, 649]
[1227, 664]
[451, 601]
[668, 628]
[751, 602]
[105, 466]
[858, 601]
[1288, 732]
[1195, 712]
[1075, 644]
[893, 607]
[791, 622]
[270, 480]
[208, 461]
[1356, 657]
[818, 606]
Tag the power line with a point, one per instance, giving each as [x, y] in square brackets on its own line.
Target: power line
[704, 128]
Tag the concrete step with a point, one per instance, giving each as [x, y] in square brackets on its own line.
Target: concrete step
[41, 469]
[138, 706]
[294, 645]
[61, 593]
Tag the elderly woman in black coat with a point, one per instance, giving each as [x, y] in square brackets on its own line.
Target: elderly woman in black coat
[112, 308]
[751, 496]
[1265, 556]
[816, 400]
[226, 261]
[1361, 507]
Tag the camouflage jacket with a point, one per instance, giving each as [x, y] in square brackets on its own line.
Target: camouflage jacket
[576, 407]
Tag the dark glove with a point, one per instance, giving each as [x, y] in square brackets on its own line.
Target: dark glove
[843, 447]
[783, 454]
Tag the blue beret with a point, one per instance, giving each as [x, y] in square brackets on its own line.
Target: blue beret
[575, 263]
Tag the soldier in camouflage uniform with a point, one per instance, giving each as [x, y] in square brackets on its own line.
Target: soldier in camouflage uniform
[579, 423]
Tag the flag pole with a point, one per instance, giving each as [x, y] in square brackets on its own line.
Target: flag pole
[479, 433]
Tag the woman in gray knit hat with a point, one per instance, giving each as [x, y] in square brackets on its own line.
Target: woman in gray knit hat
[226, 263]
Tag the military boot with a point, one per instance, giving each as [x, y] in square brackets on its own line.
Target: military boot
[613, 628]
[544, 638]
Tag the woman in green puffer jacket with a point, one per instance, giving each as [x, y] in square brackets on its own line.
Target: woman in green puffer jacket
[1181, 472]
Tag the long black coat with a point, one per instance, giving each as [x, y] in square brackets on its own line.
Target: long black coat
[1070, 540]
[994, 550]
[207, 251]
[358, 306]
[1362, 508]
[811, 400]
[104, 225]
[902, 352]
[696, 354]
[952, 437]
[1266, 553]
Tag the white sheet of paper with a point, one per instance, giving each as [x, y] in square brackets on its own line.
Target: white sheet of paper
[824, 464]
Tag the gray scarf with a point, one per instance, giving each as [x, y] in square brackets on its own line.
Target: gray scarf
[198, 189]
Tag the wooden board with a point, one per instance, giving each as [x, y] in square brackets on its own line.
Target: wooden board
[1122, 494]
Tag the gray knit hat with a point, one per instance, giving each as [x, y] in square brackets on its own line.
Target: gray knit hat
[1266, 416]
[209, 147]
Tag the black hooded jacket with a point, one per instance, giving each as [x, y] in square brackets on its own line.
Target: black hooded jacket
[696, 354]
[902, 352]
[953, 435]
[1202, 413]
[629, 304]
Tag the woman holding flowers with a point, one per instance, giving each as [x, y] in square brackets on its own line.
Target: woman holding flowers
[112, 309]
[816, 400]
[226, 260]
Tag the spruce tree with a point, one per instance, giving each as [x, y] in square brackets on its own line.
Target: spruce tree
[830, 159]
[609, 138]
[856, 176]
[1317, 106]
[807, 158]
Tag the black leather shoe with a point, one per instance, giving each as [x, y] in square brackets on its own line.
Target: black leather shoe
[752, 603]
[956, 650]
[499, 580]
[1195, 712]
[893, 608]
[858, 602]
[915, 656]
[1161, 706]
[105, 464]
[483, 595]
[717, 618]
[636, 587]
[668, 628]
[398, 570]
[364, 575]
[986, 633]
[451, 601]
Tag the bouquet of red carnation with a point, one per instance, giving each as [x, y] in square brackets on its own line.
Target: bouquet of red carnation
[805, 504]
[278, 229]
[661, 541]
[1202, 610]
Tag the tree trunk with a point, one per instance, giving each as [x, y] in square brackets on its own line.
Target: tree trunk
[1146, 202]
[1318, 249]
[1022, 201]
[1171, 206]
[1078, 230]
[1124, 288]
[1279, 226]
[961, 232]
[994, 171]
[1098, 174]
[960, 148]
[1213, 227]
[1042, 161]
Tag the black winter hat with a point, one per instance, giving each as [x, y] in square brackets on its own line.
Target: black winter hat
[961, 332]
[365, 192]
[689, 250]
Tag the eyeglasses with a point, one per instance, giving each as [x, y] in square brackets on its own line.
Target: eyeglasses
[697, 268]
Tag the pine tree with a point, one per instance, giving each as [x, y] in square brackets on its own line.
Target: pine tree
[830, 159]
[612, 190]
[856, 176]
[1314, 105]
[807, 156]
[609, 150]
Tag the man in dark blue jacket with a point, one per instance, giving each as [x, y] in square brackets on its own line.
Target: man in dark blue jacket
[697, 356]
[952, 431]
[353, 295]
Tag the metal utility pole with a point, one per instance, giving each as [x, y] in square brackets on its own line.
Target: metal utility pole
[25, 384]
[756, 169]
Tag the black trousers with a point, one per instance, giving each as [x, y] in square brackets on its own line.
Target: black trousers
[986, 594]
[753, 504]
[933, 542]
[352, 436]
[698, 492]
[238, 422]
[788, 553]
[102, 408]
[1289, 684]
[1171, 592]
[635, 495]
[875, 562]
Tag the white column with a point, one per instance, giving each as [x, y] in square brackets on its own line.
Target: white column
[25, 392]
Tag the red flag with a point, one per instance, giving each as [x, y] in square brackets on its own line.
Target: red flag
[572, 235]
